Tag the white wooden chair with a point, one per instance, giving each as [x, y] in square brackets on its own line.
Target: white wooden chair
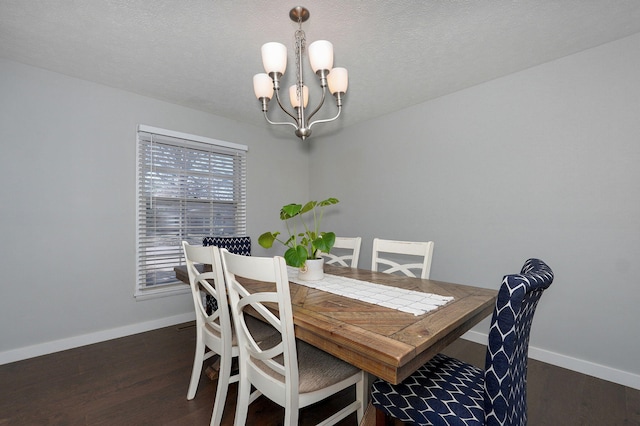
[422, 250]
[288, 371]
[348, 250]
[213, 331]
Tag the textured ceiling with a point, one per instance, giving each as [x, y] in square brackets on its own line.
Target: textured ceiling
[203, 53]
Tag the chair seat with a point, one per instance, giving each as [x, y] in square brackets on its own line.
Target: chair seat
[444, 391]
[319, 369]
[316, 368]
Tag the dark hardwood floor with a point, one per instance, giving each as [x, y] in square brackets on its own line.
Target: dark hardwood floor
[143, 379]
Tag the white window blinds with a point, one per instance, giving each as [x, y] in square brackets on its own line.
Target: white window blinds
[188, 187]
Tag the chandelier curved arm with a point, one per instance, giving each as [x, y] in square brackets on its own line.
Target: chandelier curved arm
[327, 119]
[284, 109]
[295, 126]
[324, 90]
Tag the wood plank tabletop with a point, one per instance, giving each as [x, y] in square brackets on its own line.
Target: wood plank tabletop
[385, 342]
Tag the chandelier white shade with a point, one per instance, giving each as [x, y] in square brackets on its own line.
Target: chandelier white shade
[321, 55]
[274, 60]
[338, 80]
[274, 57]
[263, 86]
[295, 98]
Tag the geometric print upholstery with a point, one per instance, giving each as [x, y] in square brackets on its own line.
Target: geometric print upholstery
[505, 374]
[447, 391]
[235, 245]
[444, 391]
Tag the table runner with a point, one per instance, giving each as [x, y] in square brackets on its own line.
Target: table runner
[411, 301]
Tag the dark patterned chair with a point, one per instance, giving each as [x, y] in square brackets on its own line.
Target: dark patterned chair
[446, 391]
[235, 245]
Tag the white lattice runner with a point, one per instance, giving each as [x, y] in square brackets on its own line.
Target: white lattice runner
[413, 302]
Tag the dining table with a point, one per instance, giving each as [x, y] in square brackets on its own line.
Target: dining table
[386, 342]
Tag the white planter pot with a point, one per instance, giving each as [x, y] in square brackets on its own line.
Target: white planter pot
[312, 270]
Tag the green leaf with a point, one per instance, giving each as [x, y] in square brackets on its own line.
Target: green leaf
[330, 238]
[324, 242]
[266, 240]
[328, 202]
[308, 207]
[289, 211]
[295, 256]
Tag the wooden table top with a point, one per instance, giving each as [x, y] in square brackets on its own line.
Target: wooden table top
[385, 342]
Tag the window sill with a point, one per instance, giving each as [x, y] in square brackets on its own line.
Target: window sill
[164, 291]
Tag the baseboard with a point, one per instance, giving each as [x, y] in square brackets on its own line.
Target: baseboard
[603, 372]
[585, 367]
[88, 339]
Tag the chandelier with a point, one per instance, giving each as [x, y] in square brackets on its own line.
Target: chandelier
[274, 59]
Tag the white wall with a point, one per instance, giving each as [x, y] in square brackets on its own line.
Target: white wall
[67, 215]
[543, 163]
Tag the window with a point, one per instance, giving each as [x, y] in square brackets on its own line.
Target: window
[188, 187]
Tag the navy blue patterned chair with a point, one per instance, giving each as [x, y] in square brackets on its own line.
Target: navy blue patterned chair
[235, 245]
[446, 391]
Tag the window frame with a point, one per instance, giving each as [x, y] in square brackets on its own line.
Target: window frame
[230, 195]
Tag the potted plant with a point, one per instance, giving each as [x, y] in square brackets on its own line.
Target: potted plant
[305, 238]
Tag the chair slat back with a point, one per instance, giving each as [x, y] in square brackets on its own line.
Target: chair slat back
[208, 283]
[273, 362]
[406, 248]
[351, 245]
